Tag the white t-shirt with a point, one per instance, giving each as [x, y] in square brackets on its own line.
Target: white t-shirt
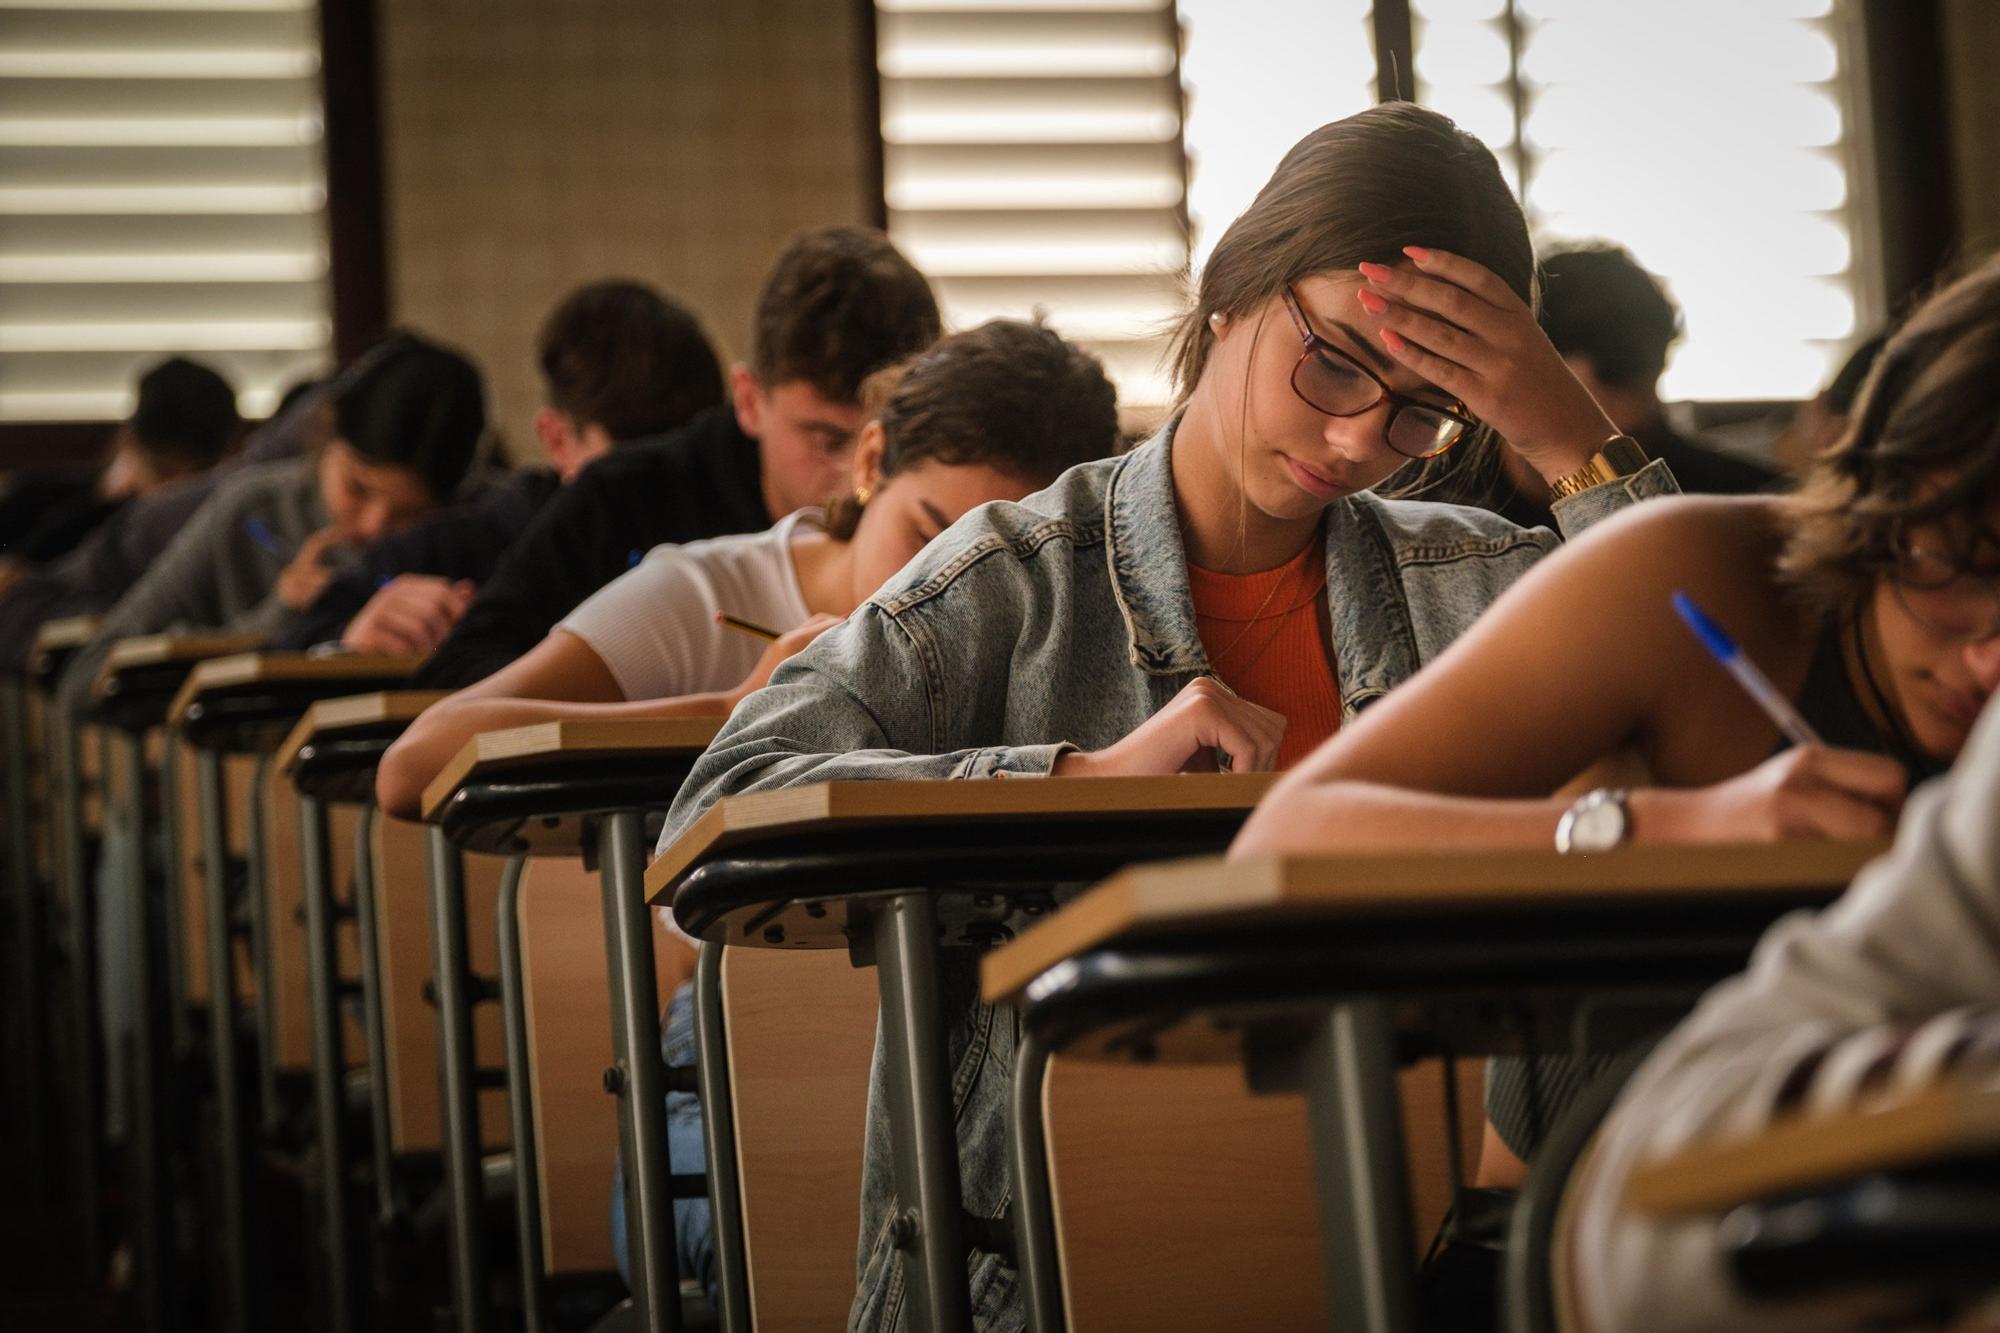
[654, 625]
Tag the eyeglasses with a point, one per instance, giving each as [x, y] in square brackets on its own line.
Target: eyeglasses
[1947, 602]
[1330, 381]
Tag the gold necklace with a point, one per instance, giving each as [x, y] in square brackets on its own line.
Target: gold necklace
[1257, 618]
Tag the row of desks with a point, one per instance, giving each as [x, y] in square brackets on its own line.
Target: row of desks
[1309, 971]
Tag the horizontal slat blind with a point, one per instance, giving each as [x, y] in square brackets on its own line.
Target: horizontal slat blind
[1260, 75]
[1032, 163]
[161, 190]
[1710, 137]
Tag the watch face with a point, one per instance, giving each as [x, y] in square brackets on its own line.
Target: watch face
[1599, 825]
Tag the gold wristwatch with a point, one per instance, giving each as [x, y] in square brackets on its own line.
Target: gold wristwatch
[1619, 456]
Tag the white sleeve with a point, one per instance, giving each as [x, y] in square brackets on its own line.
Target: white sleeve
[654, 626]
[1917, 935]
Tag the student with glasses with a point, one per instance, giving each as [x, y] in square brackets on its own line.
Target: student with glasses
[1232, 591]
[1871, 600]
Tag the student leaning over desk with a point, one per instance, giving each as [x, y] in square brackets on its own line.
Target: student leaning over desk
[988, 414]
[1231, 589]
[1868, 600]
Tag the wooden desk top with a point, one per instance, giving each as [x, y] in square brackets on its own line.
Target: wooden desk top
[1803, 1151]
[55, 640]
[240, 669]
[331, 717]
[737, 820]
[69, 632]
[493, 752]
[158, 649]
[1212, 893]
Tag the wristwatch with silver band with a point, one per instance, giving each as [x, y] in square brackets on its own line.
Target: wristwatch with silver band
[1596, 822]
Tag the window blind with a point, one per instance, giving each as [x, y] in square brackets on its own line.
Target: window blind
[162, 190]
[1714, 139]
[1032, 163]
[1260, 74]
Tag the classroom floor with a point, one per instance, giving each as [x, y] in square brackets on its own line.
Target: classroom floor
[42, 1285]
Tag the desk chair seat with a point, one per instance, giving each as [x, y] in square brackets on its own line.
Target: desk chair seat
[1927, 1234]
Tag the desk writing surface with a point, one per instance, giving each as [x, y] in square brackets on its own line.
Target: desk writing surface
[241, 669]
[737, 820]
[329, 718]
[157, 649]
[513, 748]
[1931, 1124]
[1211, 892]
[56, 635]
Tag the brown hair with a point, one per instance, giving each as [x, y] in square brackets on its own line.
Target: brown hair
[1013, 396]
[1358, 191]
[621, 356]
[840, 303]
[1923, 445]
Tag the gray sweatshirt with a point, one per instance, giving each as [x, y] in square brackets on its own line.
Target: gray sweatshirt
[220, 572]
[1826, 995]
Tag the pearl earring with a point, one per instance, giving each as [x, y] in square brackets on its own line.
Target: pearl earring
[1217, 320]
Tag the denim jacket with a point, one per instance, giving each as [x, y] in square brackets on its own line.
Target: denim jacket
[1065, 620]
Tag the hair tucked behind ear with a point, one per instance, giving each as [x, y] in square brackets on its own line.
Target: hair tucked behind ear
[1357, 191]
[1008, 395]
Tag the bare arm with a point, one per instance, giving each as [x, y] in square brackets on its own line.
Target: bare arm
[561, 669]
[1581, 659]
[561, 678]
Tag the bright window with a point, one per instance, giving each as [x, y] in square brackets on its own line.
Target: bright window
[161, 190]
[1032, 165]
[1708, 137]
[1259, 74]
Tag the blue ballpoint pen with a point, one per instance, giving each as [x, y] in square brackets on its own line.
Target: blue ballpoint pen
[1754, 682]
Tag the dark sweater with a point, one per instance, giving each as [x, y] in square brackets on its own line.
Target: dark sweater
[703, 480]
[466, 541]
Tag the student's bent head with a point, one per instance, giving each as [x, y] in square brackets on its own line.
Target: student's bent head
[994, 413]
[619, 362]
[839, 304]
[1898, 525]
[1352, 192]
[184, 422]
[407, 417]
[1614, 323]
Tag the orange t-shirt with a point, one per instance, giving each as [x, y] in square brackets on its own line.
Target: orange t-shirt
[1265, 640]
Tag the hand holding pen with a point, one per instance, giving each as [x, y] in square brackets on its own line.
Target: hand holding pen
[781, 646]
[1808, 790]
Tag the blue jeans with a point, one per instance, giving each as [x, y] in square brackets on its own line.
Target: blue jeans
[694, 1235]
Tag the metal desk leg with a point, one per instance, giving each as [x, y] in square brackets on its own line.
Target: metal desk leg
[257, 908]
[233, 1240]
[718, 1116]
[151, 1233]
[367, 925]
[921, 1124]
[520, 1099]
[1349, 1069]
[1034, 1199]
[452, 966]
[180, 1005]
[25, 1006]
[329, 1069]
[640, 1077]
[80, 932]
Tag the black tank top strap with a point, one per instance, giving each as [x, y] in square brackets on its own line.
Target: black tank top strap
[1829, 701]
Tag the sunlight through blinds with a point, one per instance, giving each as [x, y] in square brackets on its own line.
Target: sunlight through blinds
[161, 190]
